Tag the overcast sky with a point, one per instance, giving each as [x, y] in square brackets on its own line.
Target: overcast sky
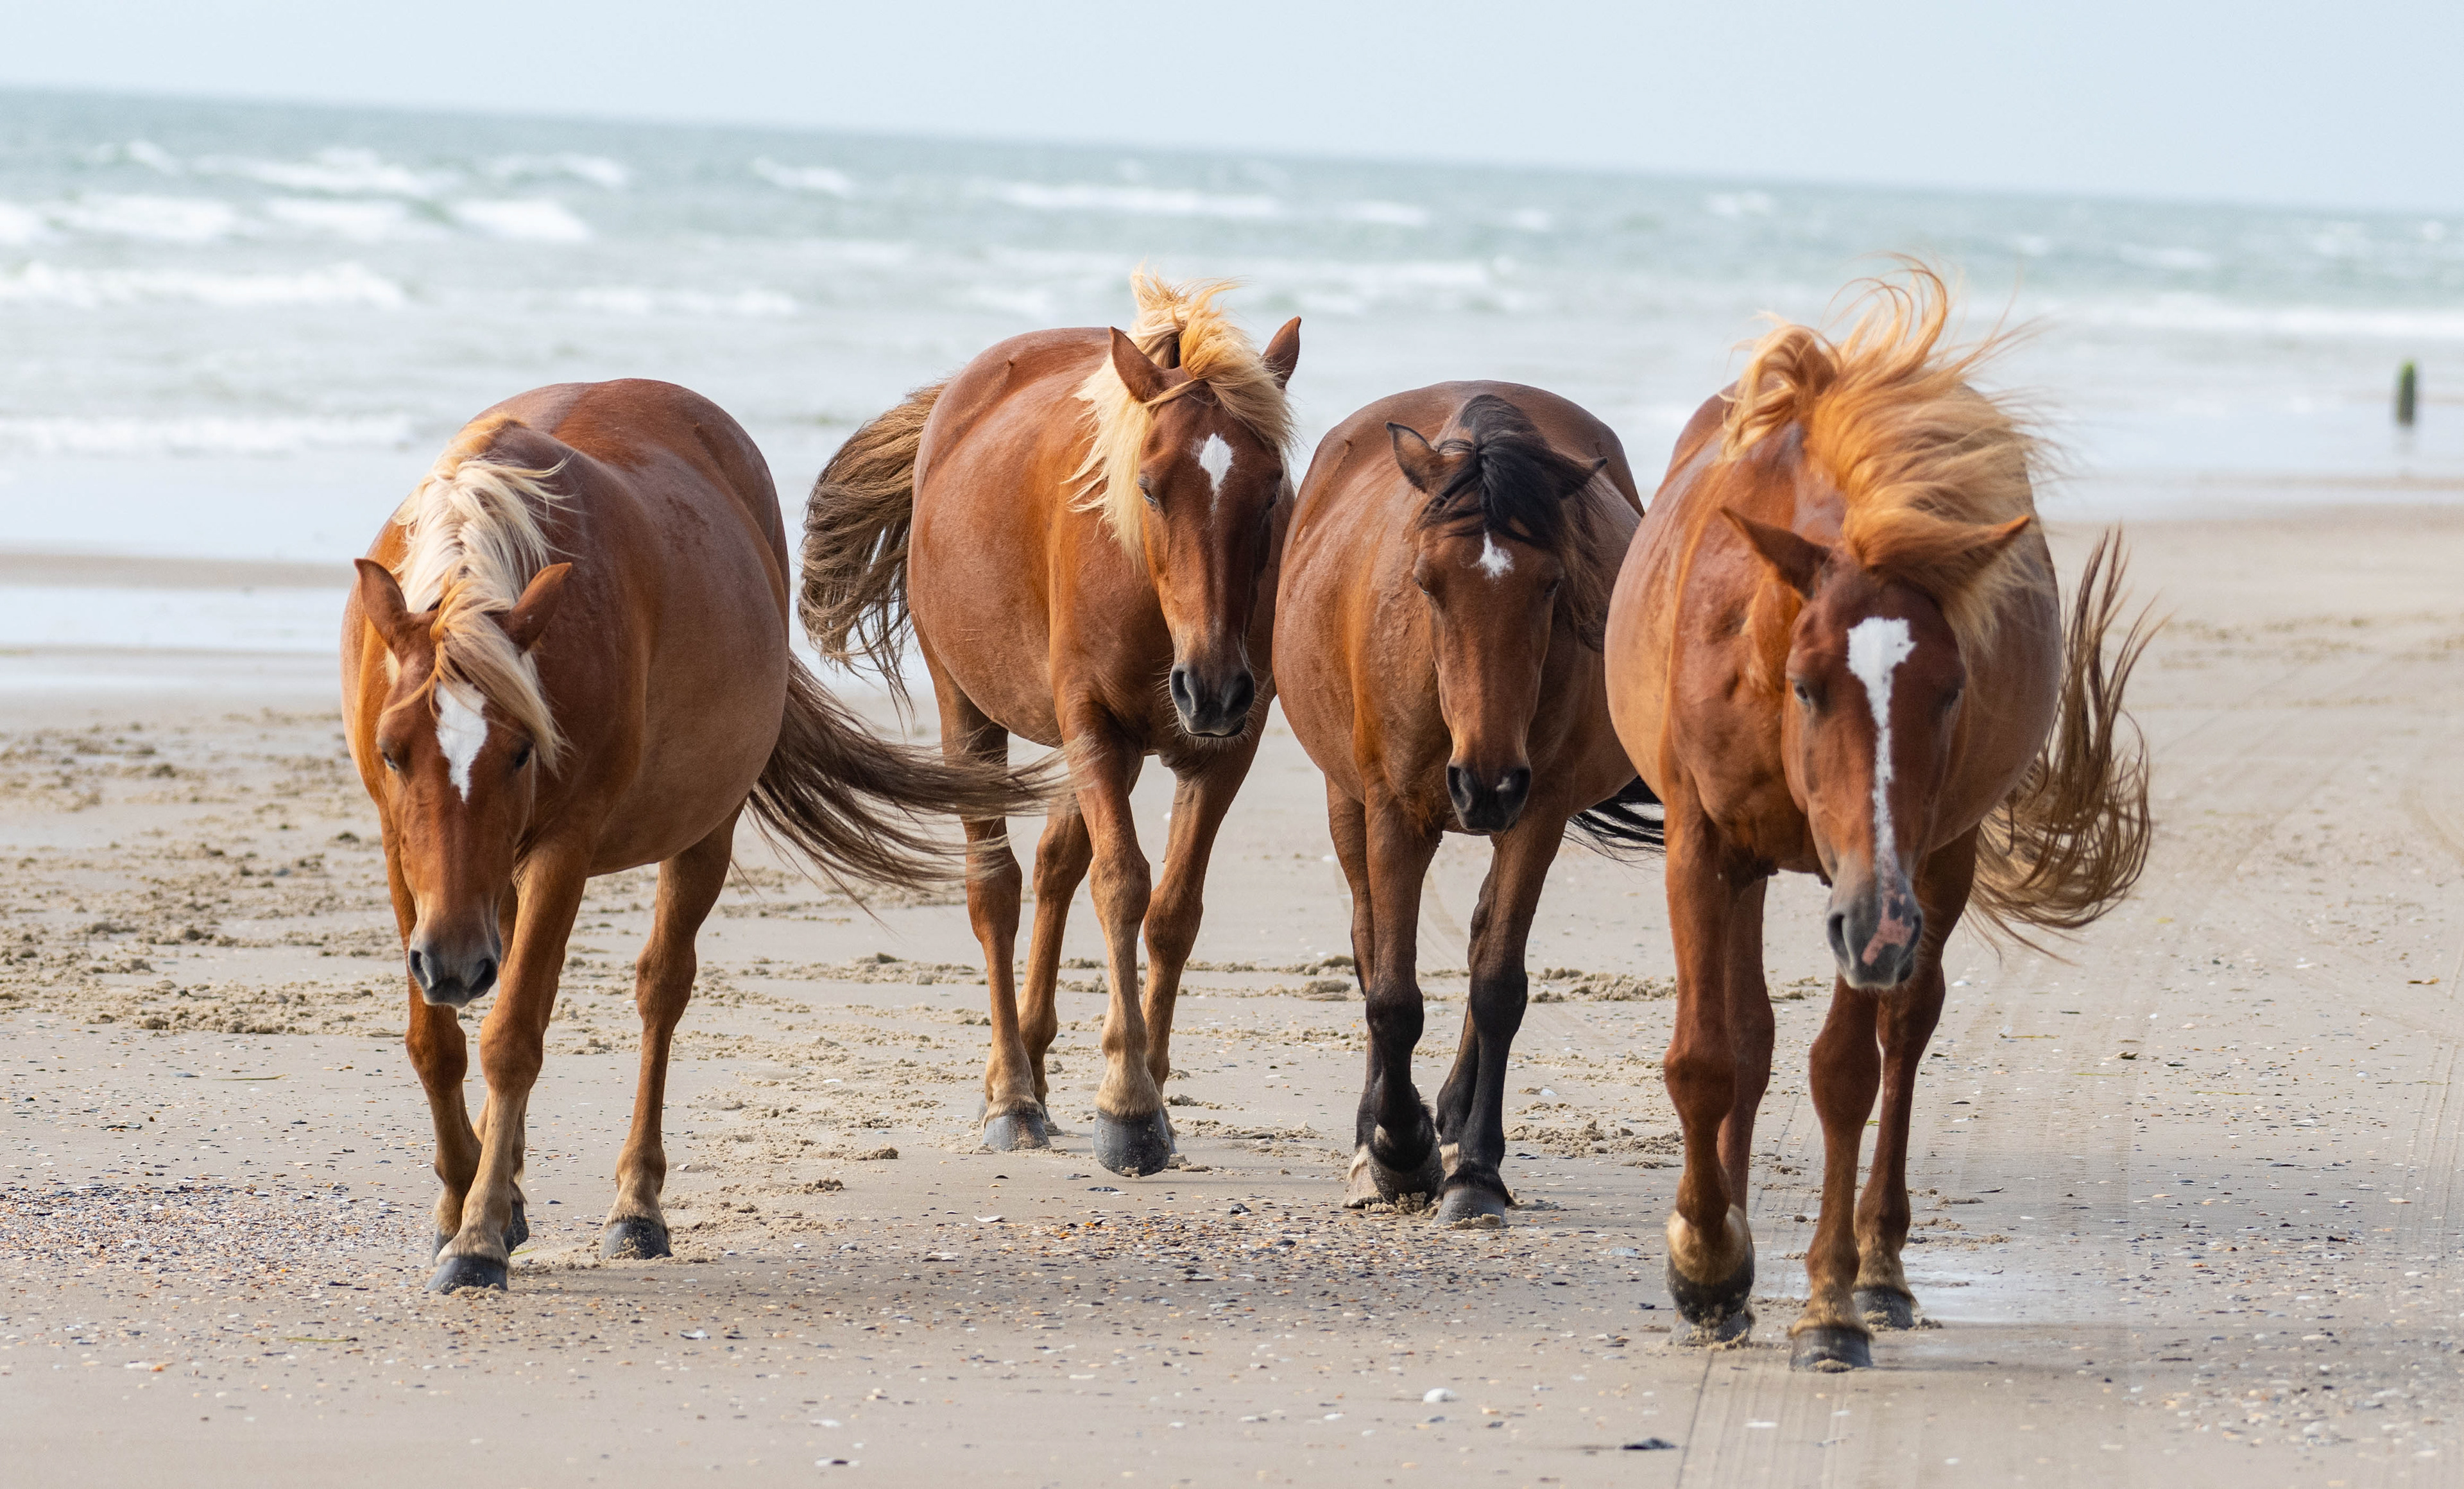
[2352, 104]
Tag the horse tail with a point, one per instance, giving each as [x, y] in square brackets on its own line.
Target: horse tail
[1617, 827]
[2072, 839]
[856, 805]
[853, 596]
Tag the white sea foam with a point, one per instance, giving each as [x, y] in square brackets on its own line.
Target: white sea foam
[1133, 201]
[362, 221]
[1387, 215]
[633, 300]
[201, 435]
[2204, 313]
[1739, 204]
[1531, 219]
[597, 169]
[22, 224]
[520, 219]
[804, 178]
[41, 283]
[344, 170]
[2186, 260]
[166, 219]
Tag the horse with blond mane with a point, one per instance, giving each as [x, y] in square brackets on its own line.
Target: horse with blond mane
[567, 655]
[1080, 530]
[1838, 647]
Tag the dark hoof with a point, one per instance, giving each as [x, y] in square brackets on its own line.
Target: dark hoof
[633, 1238]
[1718, 1311]
[1133, 1146]
[457, 1273]
[1392, 1184]
[1473, 1207]
[1006, 1134]
[1887, 1308]
[1830, 1349]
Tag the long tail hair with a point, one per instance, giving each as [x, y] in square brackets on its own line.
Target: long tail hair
[857, 805]
[1619, 829]
[853, 596]
[2072, 839]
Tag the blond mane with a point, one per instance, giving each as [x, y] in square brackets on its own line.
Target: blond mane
[472, 542]
[1212, 350]
[1922, 459]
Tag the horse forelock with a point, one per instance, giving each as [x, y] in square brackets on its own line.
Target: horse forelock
[1510, 482]
[1921, 459]
[473, 541]
[1182, 321]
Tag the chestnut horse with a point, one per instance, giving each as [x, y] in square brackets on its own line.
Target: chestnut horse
[1439, 634]
[1837, 648]
[567, 656]
[1081, 528]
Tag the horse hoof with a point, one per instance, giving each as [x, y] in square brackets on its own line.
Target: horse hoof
[633, 1238]
[1014, 1130]
[1718, 1311]
[456, 1273]
[1133, 1146]
[1472, 1208]
[1424, 1181]
[1830, 1349]
[1887, 1308]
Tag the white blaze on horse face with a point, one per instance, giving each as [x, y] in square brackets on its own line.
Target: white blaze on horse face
[1494, 562]
[461, 730]
[1215, 459]
[1876, 645]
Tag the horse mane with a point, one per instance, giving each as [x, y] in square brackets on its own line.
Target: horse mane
[1178, 325]
[472, 542]
[1922, 459]
[1515, 484]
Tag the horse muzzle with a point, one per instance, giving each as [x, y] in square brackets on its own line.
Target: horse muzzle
[1875, 934]
[452, 975]
[1484, 808]
[1213, 710]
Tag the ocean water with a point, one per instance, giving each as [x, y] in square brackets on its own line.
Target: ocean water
[243, 330]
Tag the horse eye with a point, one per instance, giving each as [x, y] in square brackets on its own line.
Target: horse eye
[521, 756]
[392, 760]
[1146, 488]
[1803, 694]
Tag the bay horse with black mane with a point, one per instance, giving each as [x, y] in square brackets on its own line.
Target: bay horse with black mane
[1837, 648]
[1438, 642]
[567, 655]
[1080, 530]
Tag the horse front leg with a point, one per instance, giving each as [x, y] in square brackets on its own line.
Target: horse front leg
[1198, 801]
[512, 1042]
[662, 979]
[1501, 930]
[439, 1055]
[1907, 1016]
[1131, 1134]
[1394, 1138]
[1830, 1334]
[1710, 1246]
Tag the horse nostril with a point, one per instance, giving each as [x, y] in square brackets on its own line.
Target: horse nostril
[483, 977]
[1458, 786]
[1516, 785]
[420, 972]
[1836, 928]
[1181, 698]
[1239, 695]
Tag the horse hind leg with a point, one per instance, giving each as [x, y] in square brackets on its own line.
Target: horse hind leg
[663, 978]
[1061, 857]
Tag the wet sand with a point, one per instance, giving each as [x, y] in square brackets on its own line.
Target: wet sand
[2183, 1219]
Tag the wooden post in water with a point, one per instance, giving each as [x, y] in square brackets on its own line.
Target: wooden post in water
[2407, 391]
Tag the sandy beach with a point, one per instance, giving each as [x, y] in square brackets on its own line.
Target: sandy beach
[2184, 1208]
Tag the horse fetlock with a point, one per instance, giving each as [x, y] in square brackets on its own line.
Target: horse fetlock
[1709, 1259]
[1133, 1146]
[1711, 1279]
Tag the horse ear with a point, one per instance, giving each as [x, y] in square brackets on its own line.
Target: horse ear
[1795, 560]
[381, 603]
[1137, 371]
[529, 617]
[1422, 465]
[1576, 483]
[1284, 353]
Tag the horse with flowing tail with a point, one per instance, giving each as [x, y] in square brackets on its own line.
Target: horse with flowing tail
[1080, 530]
[1438, 643]
[1837, 648]
[567, 655]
